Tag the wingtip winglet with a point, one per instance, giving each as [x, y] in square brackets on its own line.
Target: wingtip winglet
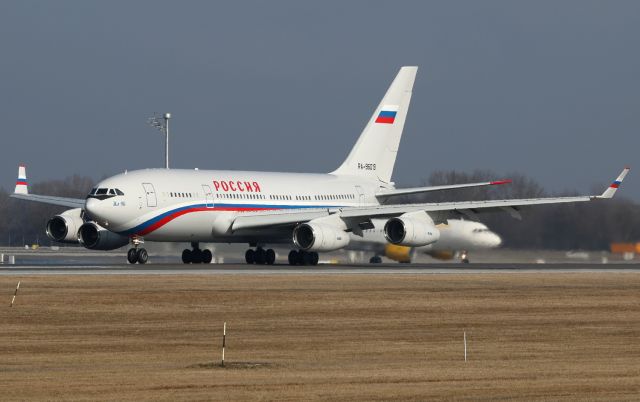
[613, 187]
[22, 186]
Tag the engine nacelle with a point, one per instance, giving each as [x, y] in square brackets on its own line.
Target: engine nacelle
[63, 228]
[319, 237]
[409, 231]
[95, 237]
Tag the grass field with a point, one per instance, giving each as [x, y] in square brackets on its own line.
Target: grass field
[330, 337]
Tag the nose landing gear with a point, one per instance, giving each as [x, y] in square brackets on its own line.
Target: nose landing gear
[196, 256]
[137, 254]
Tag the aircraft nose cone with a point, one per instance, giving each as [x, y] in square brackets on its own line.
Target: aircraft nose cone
[496, 240]
[94, 208]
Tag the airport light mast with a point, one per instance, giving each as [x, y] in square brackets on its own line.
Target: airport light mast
[162, 124]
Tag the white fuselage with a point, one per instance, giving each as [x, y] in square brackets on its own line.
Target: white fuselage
[196, 205]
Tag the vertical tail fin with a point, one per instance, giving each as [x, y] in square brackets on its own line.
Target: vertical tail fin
[21, 183]
[374, 154]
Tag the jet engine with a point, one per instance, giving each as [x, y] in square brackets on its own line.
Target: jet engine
[411, 231]
[319, 237]
[63, 228]
[95, 237]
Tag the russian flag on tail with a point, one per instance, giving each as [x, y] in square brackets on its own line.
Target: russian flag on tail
[387, 114]
[611, 190]
[21, 183]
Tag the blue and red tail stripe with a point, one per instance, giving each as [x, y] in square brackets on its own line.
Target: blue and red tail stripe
[615, 184]
[21, 182]
[386, 116]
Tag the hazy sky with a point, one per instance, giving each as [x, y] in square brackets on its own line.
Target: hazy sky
[548, 88]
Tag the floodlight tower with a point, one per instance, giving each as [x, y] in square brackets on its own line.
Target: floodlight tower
[162, 124]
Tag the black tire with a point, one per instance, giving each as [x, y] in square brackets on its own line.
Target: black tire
[261, 256]
[196, 256]
[186, 256]
[301, 260]
[293, 257]
[465, 261]
[307, 258]
[207, 256]
[375, 260]
[143, 256]
[314, 258]
[270, 256]
[132, 256]
[250, 256]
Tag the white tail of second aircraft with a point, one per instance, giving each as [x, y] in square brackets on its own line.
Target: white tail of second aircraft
[374, 154]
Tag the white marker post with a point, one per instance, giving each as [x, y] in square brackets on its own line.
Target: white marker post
[15, 294]
[465, 346]
[224, 336]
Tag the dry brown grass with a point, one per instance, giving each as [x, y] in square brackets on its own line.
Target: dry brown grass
[331, 337]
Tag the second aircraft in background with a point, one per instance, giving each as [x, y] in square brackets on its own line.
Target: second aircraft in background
[457, 238]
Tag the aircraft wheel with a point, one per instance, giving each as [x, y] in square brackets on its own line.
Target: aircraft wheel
[186, 256]
[465, 261]
[132, 256]
[375, 260]
[301, 260]
[196, 256]
[293, 257]
[270, 256]
[207, 256]
[260, 256]
[143, 256]
[250, 256]
[314, 258]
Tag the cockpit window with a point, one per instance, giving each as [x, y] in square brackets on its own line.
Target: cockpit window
[112, 192]
[119, 192]
[93, 190]
[101, 191]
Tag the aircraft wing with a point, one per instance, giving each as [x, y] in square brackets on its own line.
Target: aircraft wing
[360, 216]
[416, 190]
[22, 192]
[48, 199]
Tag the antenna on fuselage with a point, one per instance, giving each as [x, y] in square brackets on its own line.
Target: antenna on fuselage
[162, 124]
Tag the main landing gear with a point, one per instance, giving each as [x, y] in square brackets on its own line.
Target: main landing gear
[301, 257]
[376, 259]
[260, 256]
[137, 254]
[196, 256]
[464, 257]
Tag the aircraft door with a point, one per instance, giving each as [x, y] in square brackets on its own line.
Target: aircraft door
[208, 196]
[151, 194]
[360, 195]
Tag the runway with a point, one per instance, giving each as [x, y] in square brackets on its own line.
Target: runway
[323, 269]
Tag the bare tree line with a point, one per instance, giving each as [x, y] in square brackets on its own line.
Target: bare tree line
[588, 226]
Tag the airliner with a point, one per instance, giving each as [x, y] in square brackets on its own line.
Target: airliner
[457, 238]
[310, 212]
